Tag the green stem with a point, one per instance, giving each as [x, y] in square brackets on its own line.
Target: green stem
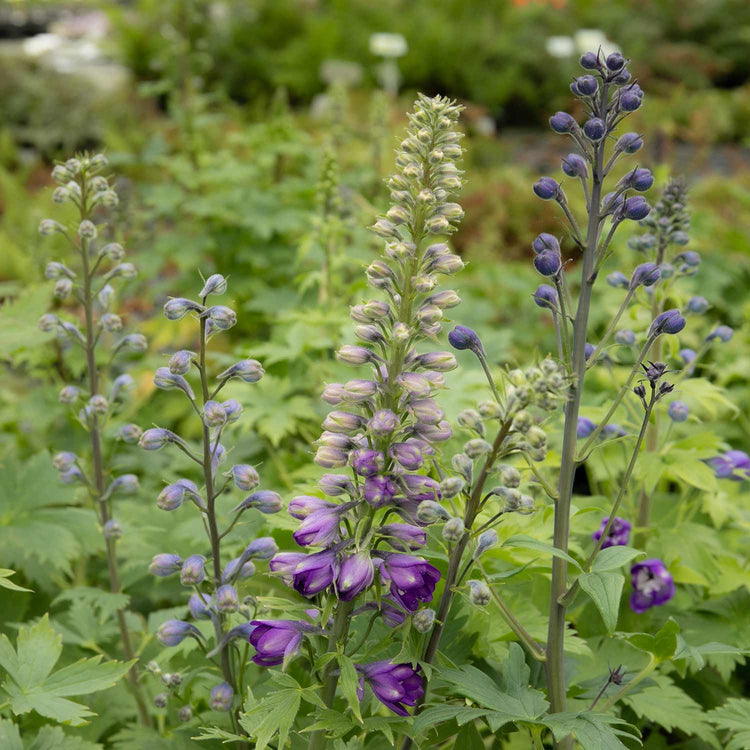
[605, 338]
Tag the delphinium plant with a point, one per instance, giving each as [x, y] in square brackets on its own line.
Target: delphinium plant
[212, 578]
[96, 332]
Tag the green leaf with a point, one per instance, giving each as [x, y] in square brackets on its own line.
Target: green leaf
[605, 590]
[349, 681]
[733, 716]
[435, 715]
[5, 574]
[273, 715]
[469, 738]
[665, 704]
[592, 730]
[527, 542]
[53, 738]
[334, 723]
[663, 645]
[693, 473]
[613, 558]
[10, 739]
[32, 685]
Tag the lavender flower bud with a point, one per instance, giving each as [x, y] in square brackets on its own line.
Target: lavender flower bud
[113, 251]
[226, 598]
[198, 607]
[130, 433]
[192, 572]
[63, 287]
[594, 129]
[429, 511]
[164, 564]
[670, 321]
[646, 274]
[585, 427]
[233, 409]
[302, 506]
[266, 501]
[510, 476]
[166, 380]
[112, 529]
[575, 166]
[629, 143]
[215, 284]
[72, 475]
[64, 460]
[423, 620]
[214, 414]
[106, 296]
[178, 307]
[479, 593]
[438, 361]
[124, 270]
[87, 230]
[379, 491]
[262, 548]
[343, 422]
[245, 477]
[121, 385]
[546, 297]
[678, 411]
[98, 404]
[127, 484]
[587, 85]
[136, 342]
[221, 697]
[618, 280]
[562, 123]
[687, 355]
[69, 394]
[631, 100]
[637, 179]
[48, 227]
[487, 540]
[48, 323]
[463, 465]
[453, 530]
[367, 462]
[635, 208]
[625, 337]
[476, 448]
[408, 455]
[247, 370]
[697, 305]
[590, 61]
[615, 62]
[355, 574]
[334, 485]
[173, 495]
[723, 333]
[547, 189]
[223, 317]
[179, 362]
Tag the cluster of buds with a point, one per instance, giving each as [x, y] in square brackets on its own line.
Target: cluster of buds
[385, 428]
[654, 374]
[214, 583]
[92, 284]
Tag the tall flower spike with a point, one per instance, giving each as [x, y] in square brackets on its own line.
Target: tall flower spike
[97, 263]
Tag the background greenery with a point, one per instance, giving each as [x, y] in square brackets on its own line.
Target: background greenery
[221, 137]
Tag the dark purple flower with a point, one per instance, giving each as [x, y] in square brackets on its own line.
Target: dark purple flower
[404, 536]
[546, 296]
[409, 455]
[302, 506]
[412, 578]
[688, 259]
[630, 100]
[575, 166]
[366, 462]
[585, 427]
[562, 122]
[589, 350]
[462, 337]
[629, 143]
[618, 535]
[594, 129]
[670, 321]
[590, 61]
[321, 527]
[618, 280]
[547, 263]
[394, 685]
[545, 241]
[356, 573]
[380, 490]
[315, 572]
[547, 189]
[277, 640]
[733, 465]
[587, 85]
[638, 179]
[612, 202]
[285, 563]
[635, 208]
[625, 337]
[652, 585]
[615, 62]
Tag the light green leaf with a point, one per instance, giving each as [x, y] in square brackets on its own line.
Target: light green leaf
[349, 683]
[665, 704]
[613, 558]
[605, 590]
[527, 542]
[10, 739]
[694, 473]
[5, 574]
[663, 645]
[273, 715]
[32, 687]
[53, 738]
[734, 717]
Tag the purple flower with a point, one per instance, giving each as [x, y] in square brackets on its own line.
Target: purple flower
[165, 565]
[670, 321]
[380, 490]
[575, 166]
[723, 333]
[687, 355]
[678, 411]
[618, 535]
[562, 122]
[545, 241]
[590, 61]
[635, 208]
[733, 465]
[546, 296]
[173, 632]
[404, 536]
[586, 85]
[547, 263]
[302, 506]
[382, 422]
[547, 189]
[412, 578]
[594, 129]
[613, 430]
[697, 305]
[462, 337]
[585, 427]
[285, 563]
[652, 585]
[237, 568]
[227, 599]
[266, 501]
[618, 279]
[321, 528]
[334, 485]
[262, 548]
[646, 274]
[221, 697]
[277, 640]
[409, 455]
[355, 574]
[192, 572]
[394, 685]
[315, 572]
[638, 179]
[367, 462]
[198, 605]
[629, 143]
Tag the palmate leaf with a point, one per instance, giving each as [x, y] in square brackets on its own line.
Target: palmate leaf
[670, 707]
[32, 686]
[733, 716]
[38, 528]
[593, 731]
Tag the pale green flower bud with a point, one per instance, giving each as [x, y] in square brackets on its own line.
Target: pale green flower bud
[87, 230]
[453, 530]
[479, 593]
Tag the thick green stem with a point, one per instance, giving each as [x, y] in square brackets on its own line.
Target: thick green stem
[98, 467]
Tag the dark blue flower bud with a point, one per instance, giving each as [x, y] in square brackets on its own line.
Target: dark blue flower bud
[562, 122]
[547, 189]
[462, 338]
[589, 350]
[586, 85]
[221, 697]
[630, 100]
[622, 77]
[546, 296]
[547, 263]
[585, 427]
[164, 564]
[545, 241]
[697, 305]
[646, 274]
[635, 208]
[678, 411]
[590, 61]
[687, 355]
[723, 333]
[595, 129]
[262, 548]
[629, 143]
[638, 179]
[689, 258]
[615, 62]
[192, 572]
[575, 166]
[670, 321]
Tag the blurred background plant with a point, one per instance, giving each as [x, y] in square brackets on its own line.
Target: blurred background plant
[251, 138]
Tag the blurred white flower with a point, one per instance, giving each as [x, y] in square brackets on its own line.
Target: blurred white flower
[560, 46]
[341, 72]
[388, 45]
[590, 40]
